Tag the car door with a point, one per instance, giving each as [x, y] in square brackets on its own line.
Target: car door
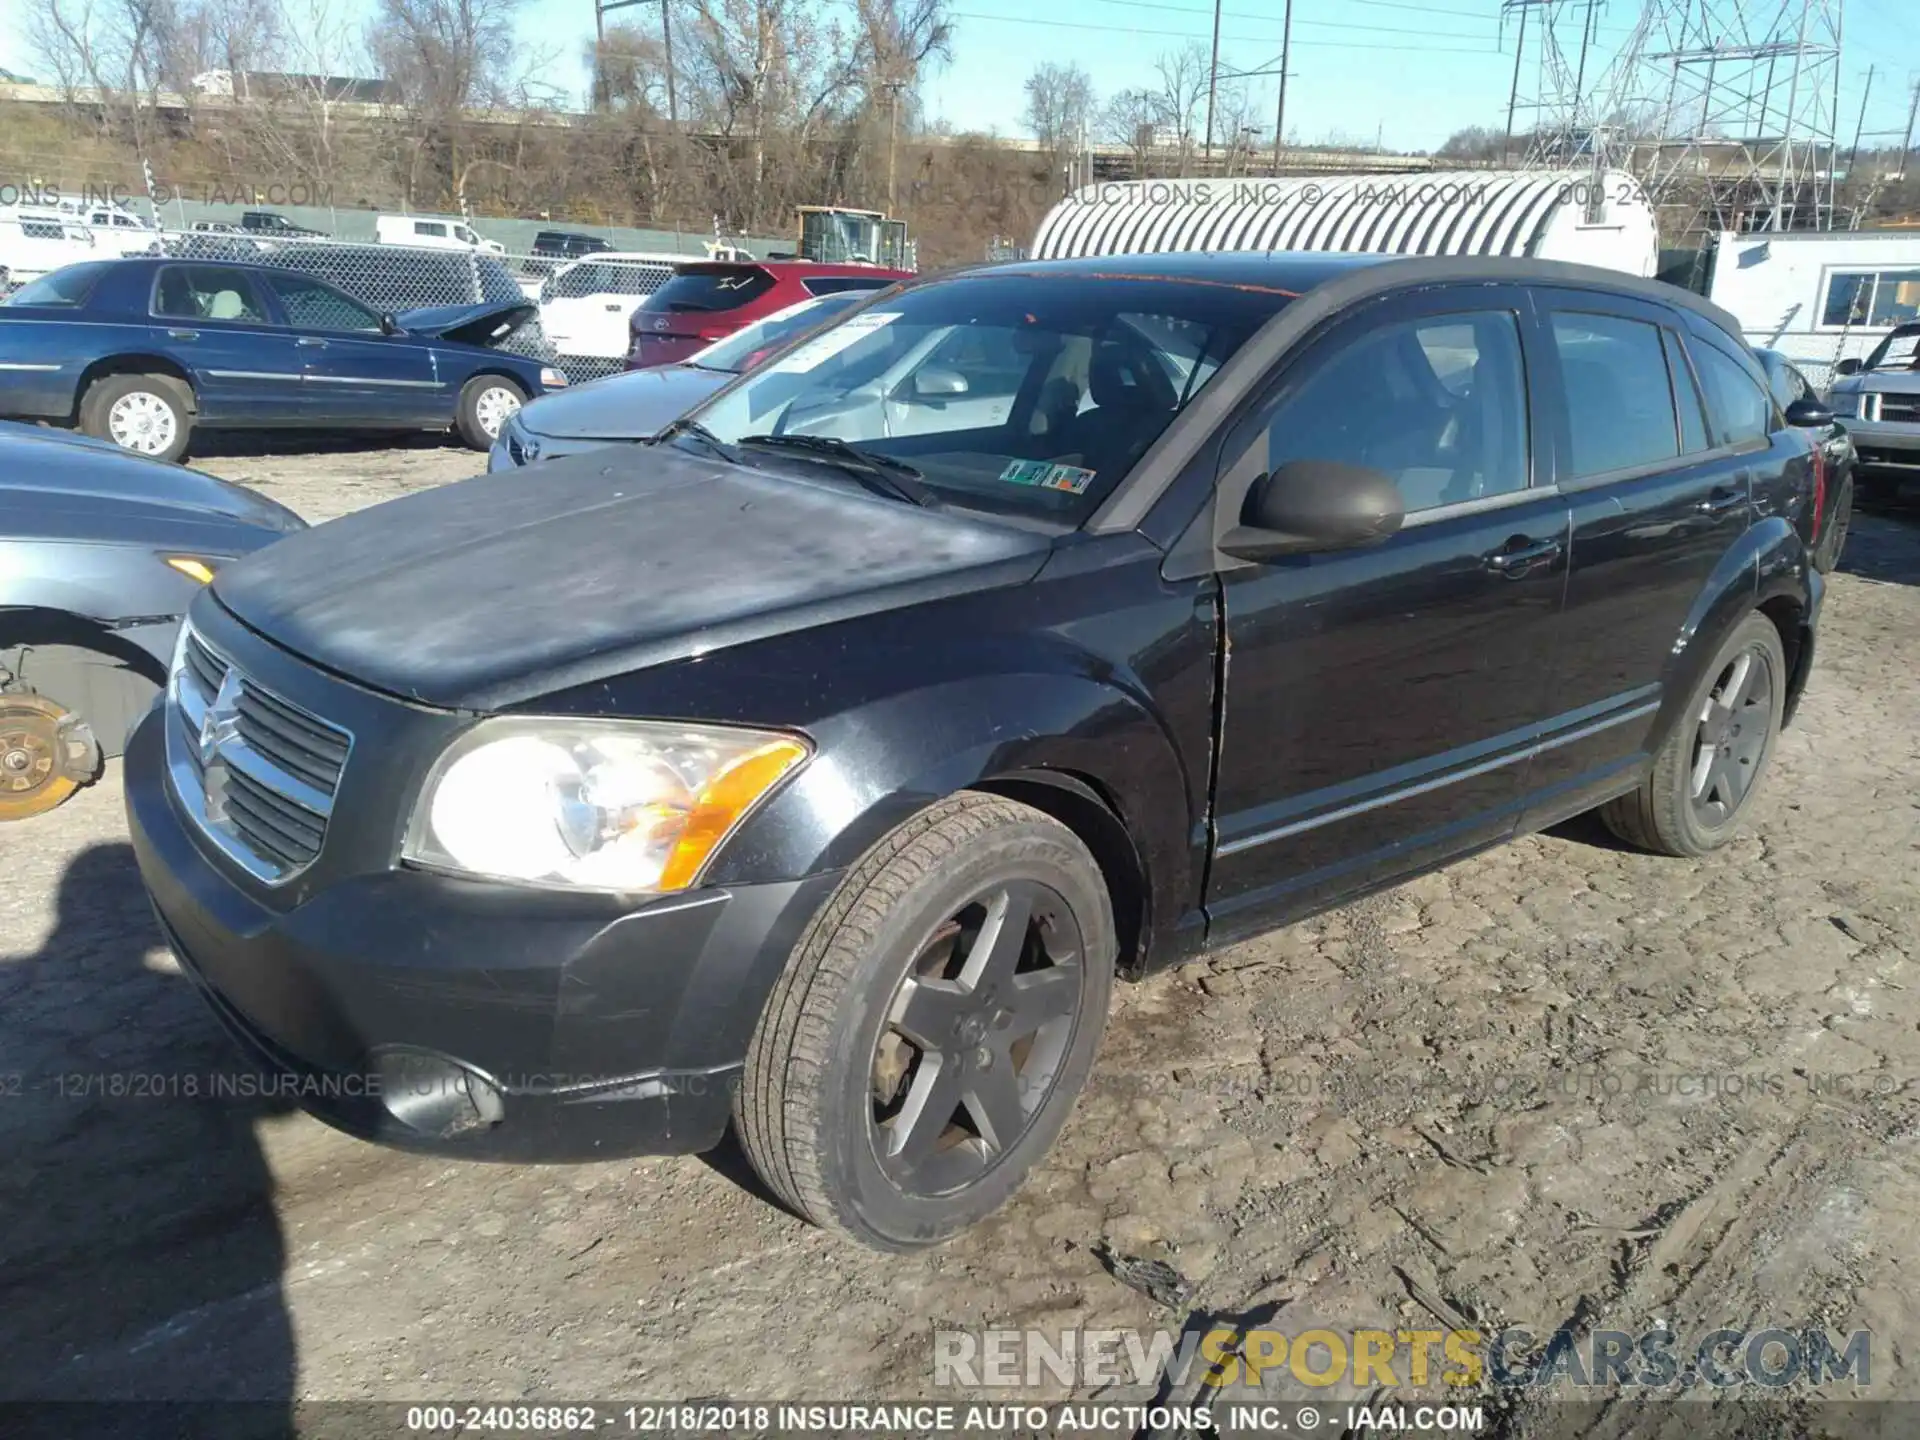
[353, 372]
[1659, 496]
[1380, 705]
[216, 322]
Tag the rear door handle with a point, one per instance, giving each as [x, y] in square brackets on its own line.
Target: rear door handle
[1520, 554]
[183, 334]
[614, 308]
[309, 342]
[1721, 501]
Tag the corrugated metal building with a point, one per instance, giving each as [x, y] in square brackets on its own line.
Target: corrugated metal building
[1604, 220]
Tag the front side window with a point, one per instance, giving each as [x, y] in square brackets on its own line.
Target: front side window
[1742, 412]
[1439, 404]
[207, 292]
[1619, 396]
[428, 227]
[313, 306]
[1871, 297]
[949, 378]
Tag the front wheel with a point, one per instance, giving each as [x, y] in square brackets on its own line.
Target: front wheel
[487, 402]
[1710, 766]
[1833, 536]
[934, 1025]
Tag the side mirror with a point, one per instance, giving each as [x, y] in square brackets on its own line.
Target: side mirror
[1807, 413]
[1309, 505]
[389, 325]
[935, 382]
[1849, 366]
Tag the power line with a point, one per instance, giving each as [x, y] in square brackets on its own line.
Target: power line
[1322, 24]
[1236, 39]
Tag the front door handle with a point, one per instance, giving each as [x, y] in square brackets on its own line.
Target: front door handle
[614, 308]
[1721, 501]
[307, 342]
[183, 334]
[1521, 554]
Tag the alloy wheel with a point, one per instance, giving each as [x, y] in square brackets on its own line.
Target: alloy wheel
[1731, 737]
[143, 422]
[975, 1037]
[493, 408]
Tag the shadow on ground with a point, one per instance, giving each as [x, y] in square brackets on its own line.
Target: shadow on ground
[140, 1256]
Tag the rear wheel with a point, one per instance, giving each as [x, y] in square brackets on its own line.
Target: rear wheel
[487, 402]
[147, 414]
[1710, 767]
[934, 1025]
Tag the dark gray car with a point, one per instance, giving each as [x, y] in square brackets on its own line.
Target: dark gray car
[100, 553]
[1879, 399]
[638, 404]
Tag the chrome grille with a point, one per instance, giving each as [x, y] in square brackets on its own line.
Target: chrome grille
[256, 771]
[1903, 408]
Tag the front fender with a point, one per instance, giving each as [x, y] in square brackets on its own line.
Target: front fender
[883, 762]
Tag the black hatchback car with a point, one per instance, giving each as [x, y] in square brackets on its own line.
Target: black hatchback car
[816, 768]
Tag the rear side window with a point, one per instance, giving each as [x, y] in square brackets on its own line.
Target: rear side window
[1619, 399]
[1439, 404]
[207, 292]
[1742, 412]
[711, 291]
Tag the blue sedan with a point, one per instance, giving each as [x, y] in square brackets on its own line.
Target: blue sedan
[141, 352]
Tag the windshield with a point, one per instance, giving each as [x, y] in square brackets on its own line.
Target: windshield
[1898, 351]
[66, 287]
[1019, 392]
[746, 348]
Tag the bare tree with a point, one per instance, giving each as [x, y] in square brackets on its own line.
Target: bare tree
[1059, 109]
[116, 49]
[443, 57]
[1182, 95]
[1130, 118]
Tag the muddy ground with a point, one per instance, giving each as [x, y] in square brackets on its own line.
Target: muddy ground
[1562, 1083]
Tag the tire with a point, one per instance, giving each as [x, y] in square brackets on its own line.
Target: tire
[826, 1110]
[486, 401]
[1833, 537]
[1665, 815]
[148, 414]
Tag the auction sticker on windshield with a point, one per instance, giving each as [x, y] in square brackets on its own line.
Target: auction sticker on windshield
[1048, 476]
[821, 348]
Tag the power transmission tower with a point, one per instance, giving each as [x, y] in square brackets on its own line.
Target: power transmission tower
[1747, 94]
[1579, 112]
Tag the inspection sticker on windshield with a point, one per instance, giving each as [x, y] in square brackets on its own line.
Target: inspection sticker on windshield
[822, 348]
[1070, 478]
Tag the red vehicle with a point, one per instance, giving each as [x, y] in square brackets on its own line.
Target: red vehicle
[707, 300]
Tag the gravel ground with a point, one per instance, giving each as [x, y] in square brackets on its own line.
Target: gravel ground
[1561, 1083]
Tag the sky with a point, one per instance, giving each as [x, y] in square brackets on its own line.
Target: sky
[1404, 72]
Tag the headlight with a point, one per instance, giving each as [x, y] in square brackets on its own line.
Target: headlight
[551, 377]
[596, 804]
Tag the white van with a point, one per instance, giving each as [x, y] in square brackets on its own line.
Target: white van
[427, 232]
[585, 304]
[35, 242]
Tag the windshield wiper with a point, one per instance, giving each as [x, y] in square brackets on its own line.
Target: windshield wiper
[880, 473]
[684, 426]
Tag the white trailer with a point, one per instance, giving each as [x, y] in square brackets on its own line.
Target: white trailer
[1818, 297]
[1602, 220]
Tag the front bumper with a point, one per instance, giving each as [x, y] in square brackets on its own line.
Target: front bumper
[471, 1018]
[1884, 444]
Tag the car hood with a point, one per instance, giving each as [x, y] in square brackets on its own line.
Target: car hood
[483, 324]
[494, 590]
[127, 497]
[631, 406]
[1879, 382]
